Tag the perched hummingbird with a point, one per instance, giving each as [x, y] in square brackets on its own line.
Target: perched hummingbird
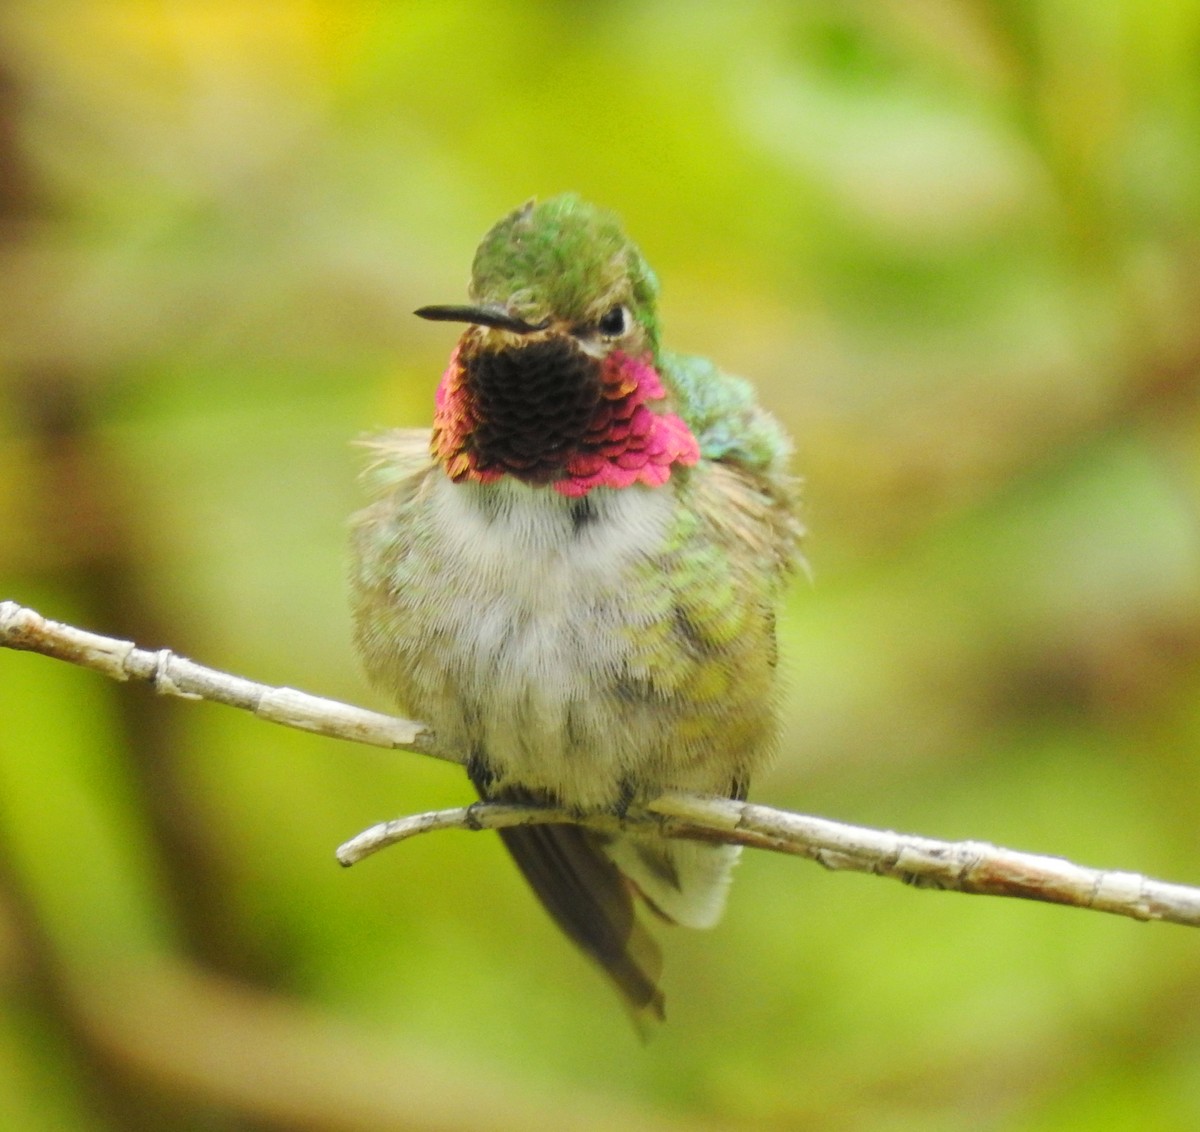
[573, 581]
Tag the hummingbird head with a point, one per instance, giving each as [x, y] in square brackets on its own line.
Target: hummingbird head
[551, 381]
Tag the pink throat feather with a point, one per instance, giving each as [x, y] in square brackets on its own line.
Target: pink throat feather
[625, 442]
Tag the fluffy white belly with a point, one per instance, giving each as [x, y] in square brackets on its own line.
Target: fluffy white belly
[537, 619]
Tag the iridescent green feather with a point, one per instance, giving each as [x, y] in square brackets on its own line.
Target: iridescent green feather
[723, 415]
[565, 257]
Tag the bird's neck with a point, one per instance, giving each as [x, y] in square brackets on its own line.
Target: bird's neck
[517, 536]
[551, 415]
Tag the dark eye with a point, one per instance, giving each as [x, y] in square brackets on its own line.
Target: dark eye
[612, 323]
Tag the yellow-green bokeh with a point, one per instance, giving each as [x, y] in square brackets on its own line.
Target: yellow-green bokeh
[955, 246]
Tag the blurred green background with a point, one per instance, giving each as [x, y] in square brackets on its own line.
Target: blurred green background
[955, 245]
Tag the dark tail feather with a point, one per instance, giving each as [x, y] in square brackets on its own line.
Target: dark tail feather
[590, 900]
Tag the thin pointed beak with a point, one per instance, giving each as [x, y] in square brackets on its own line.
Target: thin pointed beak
[492, 314]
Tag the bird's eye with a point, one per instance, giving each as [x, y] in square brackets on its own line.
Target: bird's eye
[612, 323]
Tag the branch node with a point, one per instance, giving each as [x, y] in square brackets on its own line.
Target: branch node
[164, 682]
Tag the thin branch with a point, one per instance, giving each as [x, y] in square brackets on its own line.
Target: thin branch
[974, 867]
[171, 675]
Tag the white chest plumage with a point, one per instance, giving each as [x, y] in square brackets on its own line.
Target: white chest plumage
[534, 613]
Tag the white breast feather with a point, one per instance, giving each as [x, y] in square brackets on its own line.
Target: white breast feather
[537, 612]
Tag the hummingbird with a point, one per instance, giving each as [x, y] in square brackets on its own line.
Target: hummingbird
[573, 578]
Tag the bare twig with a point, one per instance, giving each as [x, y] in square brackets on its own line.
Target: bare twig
[171, 675]
[962, 866]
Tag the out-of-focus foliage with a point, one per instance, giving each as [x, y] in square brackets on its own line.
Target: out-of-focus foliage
[954, 243]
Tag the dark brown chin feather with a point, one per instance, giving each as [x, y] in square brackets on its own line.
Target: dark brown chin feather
[592, 903]
[532, 405]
